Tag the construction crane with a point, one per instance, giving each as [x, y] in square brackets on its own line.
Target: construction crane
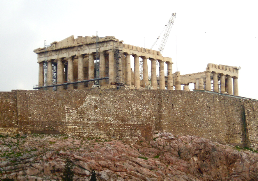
[166, 30]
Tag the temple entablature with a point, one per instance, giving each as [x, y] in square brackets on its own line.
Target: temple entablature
[144, 52]
[87, 45]
[71, 42]
[223, 69]
[191, 78]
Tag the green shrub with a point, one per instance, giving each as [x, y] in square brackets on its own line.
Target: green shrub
[68, 172]
[156, 156]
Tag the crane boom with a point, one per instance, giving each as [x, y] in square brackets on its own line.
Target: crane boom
[167, 32]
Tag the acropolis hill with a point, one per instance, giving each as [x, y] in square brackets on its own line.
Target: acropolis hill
[87, 88]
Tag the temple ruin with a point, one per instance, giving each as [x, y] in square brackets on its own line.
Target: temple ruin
[104, 62]
[216, 78]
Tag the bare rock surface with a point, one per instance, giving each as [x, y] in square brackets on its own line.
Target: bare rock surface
[166, 157]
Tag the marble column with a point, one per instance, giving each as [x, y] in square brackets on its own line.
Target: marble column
[145, 72]
[235, 83]
[170, 76]
[70, 73]
[49, 75]
[123, 57]
[226, 84]
[132, 77]
[111, 67]
[101, 67]
[186, 88]
[118, 69]
[60, 73]
[41, 74]
[177, 81]
[161, 75]
[80, 72]
[229, 82]
[91, 70]
[208, 80]
[215, 82]
[136, 72]
[222, 84]
[201, 87]
[128, 70]
[106, 69]
[153, 74]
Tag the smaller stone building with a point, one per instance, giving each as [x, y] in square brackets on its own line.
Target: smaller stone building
[217, 78]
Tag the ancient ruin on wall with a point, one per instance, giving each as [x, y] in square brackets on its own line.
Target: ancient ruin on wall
[86, 61]
[217, 78]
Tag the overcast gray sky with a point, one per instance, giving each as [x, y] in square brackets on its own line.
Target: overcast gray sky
[221, 32]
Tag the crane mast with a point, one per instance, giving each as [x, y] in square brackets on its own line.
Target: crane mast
[166, 33]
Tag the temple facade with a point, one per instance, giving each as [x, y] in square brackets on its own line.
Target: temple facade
[105, 62]
[87, 61]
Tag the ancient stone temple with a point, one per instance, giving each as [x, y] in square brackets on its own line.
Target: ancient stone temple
[216, 78]
[95, 61]
[105, 62]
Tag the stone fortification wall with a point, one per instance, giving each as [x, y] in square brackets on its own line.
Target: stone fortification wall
[8, 112]
[130, 113]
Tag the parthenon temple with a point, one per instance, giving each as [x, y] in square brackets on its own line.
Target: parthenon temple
[105, 62]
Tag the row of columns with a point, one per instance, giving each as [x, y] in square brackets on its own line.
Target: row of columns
[225, 83]
[70, 70]
[145, 73]
[111, 71]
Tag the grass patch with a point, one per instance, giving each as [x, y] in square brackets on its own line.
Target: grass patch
[143, 157]
[8, 179]
[246, 148]
[13, 161]
[2, 136]
[18, 154]
[34, 149]
[156, 156]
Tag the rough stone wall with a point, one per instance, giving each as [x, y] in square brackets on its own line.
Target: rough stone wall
[250, 123]
[8, 112]
[130, 113]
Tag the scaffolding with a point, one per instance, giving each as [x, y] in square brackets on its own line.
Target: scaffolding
[65, 84]
[54, 75]
[45, 63]
[96, 61]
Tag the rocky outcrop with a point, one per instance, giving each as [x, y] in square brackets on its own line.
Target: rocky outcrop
[166, 157]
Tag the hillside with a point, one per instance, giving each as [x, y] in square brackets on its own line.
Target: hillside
[166, 157]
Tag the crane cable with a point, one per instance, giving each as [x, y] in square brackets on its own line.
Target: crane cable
[166, 31]
[158, 37]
